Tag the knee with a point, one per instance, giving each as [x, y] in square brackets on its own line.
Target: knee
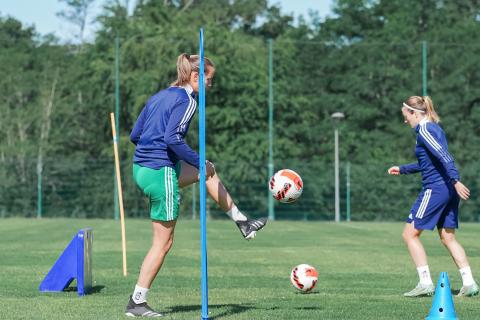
[211, 177]
[163, 247]
[168, 245]
[406, 236]
[447, 240]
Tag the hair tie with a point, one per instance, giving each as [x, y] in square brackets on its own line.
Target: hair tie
[187, 56]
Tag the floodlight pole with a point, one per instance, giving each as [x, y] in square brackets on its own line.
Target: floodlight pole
[337, 117]
[117, 115]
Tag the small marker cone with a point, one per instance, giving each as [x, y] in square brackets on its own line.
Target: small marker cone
[442, 306]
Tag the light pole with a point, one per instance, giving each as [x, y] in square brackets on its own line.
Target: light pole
[337, 117]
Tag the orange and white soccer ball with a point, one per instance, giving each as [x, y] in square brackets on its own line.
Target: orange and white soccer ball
[304, 277]
[286, 186]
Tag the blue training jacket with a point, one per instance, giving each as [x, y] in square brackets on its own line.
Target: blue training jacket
[434, 161]
[161, 128]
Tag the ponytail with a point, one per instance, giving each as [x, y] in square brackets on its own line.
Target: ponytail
[424, 105]
[186, 64]
[431, 113]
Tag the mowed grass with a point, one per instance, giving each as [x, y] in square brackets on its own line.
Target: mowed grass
[363, 270]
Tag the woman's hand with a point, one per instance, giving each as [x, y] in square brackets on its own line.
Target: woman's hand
[462, 190]
[394, 171]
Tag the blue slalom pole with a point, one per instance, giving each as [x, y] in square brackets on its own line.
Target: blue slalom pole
[203, 193]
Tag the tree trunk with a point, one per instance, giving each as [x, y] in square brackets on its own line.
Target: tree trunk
[45, 130]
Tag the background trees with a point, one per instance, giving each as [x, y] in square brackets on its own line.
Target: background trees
[55, 100]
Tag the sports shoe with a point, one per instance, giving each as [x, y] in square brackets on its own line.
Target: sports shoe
[468, 291]
[250, 227]
[421, 290]
[140, 310]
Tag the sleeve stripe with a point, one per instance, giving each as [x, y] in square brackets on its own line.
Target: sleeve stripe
[428, 137]
[431, 140]
[190, 108]
[188, 115]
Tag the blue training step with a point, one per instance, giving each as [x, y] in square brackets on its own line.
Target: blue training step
[74, 263]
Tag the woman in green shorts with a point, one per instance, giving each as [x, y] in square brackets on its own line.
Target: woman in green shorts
[164, 162]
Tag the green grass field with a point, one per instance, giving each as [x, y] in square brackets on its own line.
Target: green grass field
[363, 270]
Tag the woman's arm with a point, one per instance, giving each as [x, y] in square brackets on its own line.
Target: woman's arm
[138, 127]
[404, 169]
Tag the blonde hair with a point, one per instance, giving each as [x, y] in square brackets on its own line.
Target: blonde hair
[423, 104]
[186, 64]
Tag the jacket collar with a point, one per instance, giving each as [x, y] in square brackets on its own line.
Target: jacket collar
[189, 89]
[422, 122]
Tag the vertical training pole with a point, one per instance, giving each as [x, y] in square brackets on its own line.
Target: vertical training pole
[120, 195]
[424, 68]
[347, 200]
[117, 114]
[203, 203]
[271, 210]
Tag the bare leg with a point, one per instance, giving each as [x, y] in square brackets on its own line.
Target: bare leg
[215, 187]
[411, 237]
[163, 233]
[218, 192]
[454, 247]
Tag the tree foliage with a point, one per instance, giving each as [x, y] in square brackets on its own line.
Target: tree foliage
[364, 61]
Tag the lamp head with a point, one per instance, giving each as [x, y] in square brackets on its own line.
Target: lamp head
[338, 116]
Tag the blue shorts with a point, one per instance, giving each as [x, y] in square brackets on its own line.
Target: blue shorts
[436, 205]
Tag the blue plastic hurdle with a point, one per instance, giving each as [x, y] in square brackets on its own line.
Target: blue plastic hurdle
[74, 263]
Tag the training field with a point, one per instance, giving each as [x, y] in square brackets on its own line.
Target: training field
[363, 270]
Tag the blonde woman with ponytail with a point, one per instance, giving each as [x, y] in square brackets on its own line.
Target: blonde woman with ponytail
[164, 162]
[437, 203]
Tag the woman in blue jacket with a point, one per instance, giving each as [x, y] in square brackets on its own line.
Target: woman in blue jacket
[164, 162]
[437, 203]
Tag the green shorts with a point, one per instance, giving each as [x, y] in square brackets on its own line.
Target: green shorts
[161, 187]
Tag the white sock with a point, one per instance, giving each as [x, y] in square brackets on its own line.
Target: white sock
[424, 275]
[235, 214]
[140, 294]
[467, 277]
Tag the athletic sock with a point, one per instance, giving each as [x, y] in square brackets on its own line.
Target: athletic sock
[467, 277]
[235, 214]
[424, 275]
[140, 294]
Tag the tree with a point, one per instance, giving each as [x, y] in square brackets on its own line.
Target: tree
[77, 12]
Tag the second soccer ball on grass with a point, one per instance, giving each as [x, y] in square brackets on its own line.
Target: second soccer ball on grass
[304, 277]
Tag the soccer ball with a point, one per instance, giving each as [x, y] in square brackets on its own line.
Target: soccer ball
[286, 186]
[304, 277]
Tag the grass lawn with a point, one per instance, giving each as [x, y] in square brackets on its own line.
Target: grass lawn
[363, 270]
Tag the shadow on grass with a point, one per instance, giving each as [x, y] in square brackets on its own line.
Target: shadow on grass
[93, 290]
[231, 309]
[309, 308]
[309, 293]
